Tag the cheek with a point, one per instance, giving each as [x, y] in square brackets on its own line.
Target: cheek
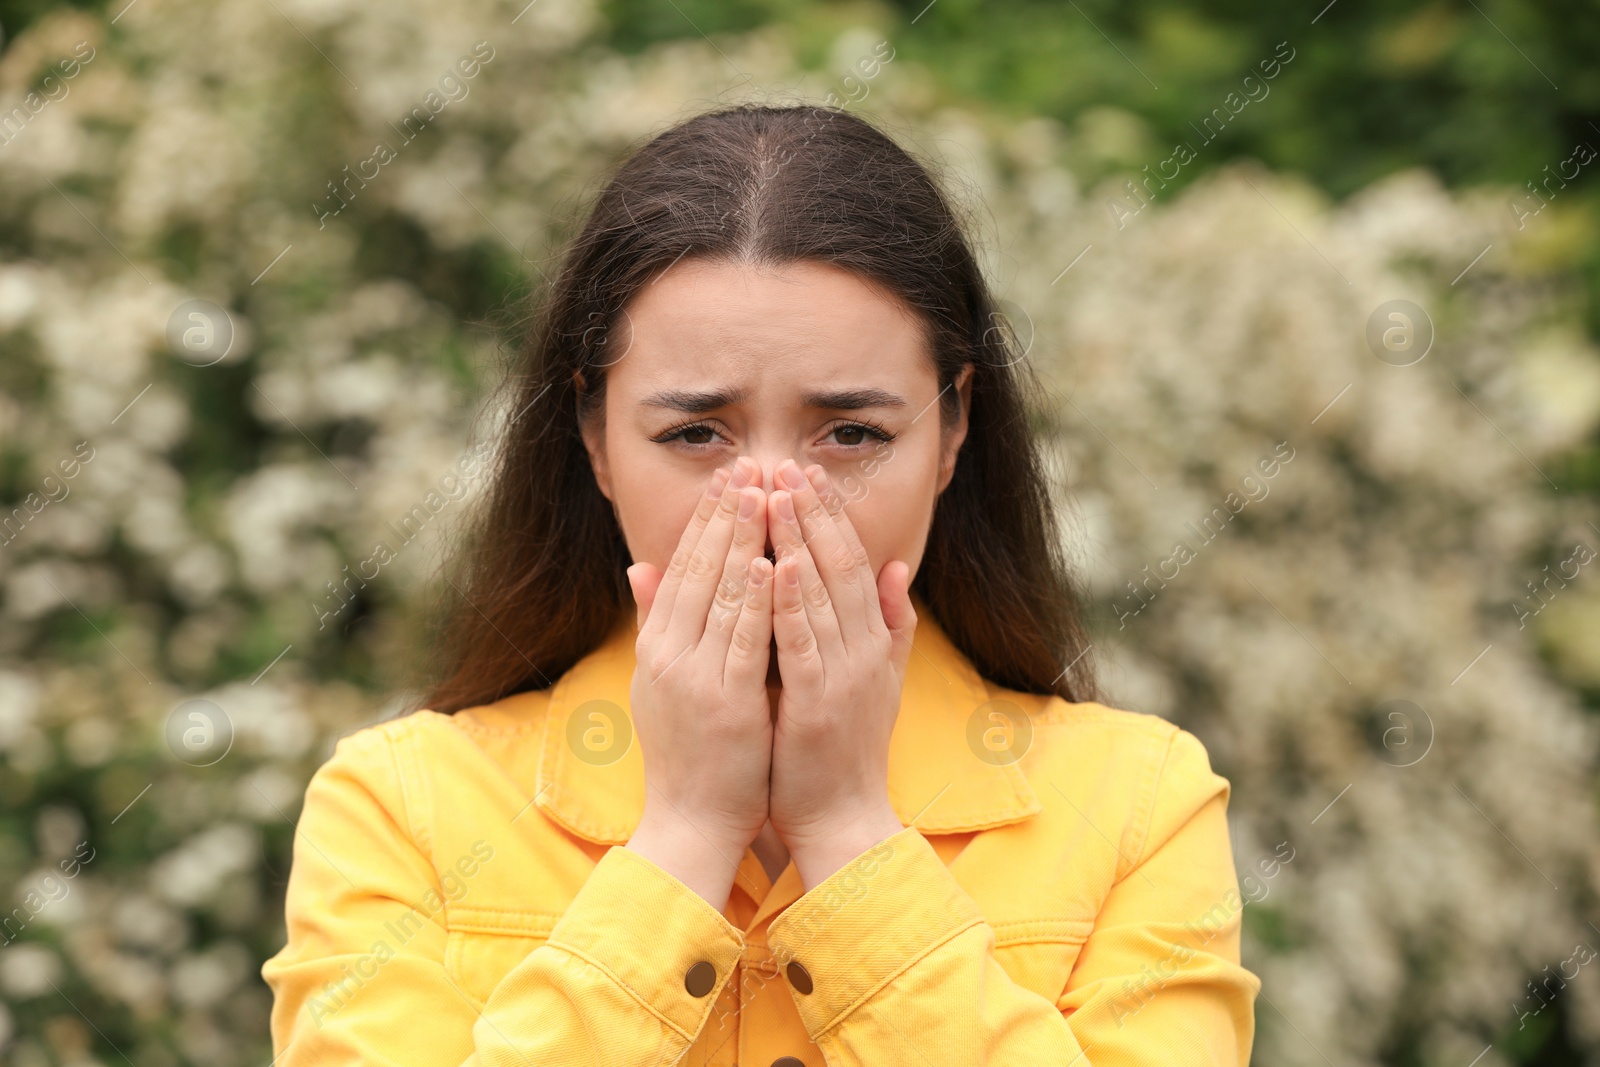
[654, 503]
[890, 509]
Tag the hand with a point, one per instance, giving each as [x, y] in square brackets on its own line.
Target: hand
[699, 695]
[843, 639]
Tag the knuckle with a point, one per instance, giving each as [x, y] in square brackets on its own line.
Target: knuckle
[729, 598]
[816, 596]
[744, 642]
[701, 566]
[657, 663]
[859, 550]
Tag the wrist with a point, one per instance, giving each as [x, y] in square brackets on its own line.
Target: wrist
[704, 864]
[823, 850]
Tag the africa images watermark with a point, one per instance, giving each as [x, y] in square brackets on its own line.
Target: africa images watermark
[1582, 953]
[451, 487]
[1537, 601]
[1254, 89]
[1522, 207]
[52, 89]
[846, 886]
[1139, 991]
[867, 68]
[354, 976]
[54, 489]
[452, 87]
[50, 890]
[1254, 489]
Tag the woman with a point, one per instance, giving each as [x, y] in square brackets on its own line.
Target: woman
[819, 778]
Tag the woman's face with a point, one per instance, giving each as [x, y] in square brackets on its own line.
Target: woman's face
[714, 360]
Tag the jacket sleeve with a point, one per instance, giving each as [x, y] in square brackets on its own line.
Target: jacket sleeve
[902, 966]
[361, 978]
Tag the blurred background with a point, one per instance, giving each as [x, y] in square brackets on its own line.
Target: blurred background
[259, 264]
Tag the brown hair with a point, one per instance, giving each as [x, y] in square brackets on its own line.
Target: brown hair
[541, 575]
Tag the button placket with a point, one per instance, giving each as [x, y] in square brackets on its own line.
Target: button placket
[765, 967]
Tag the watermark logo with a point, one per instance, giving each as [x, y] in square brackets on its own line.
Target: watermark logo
[199, 732]
[200, 333]
[599, 732]
[999, 732]
[1399, 333]
[1407, 733]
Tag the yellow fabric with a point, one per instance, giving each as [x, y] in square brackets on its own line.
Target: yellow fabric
[456, 898]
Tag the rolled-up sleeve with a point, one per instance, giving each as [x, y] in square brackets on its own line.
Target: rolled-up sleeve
[361, 979]
[896, 963]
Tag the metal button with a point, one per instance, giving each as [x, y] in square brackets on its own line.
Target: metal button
[799, 977]
[701, 977]
[787, 1061]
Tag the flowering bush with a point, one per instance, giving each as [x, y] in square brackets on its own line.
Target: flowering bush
[253, 266]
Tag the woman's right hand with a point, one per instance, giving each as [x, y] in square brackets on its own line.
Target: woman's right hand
[699, 697]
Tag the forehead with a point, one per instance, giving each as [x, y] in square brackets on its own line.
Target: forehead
[767, 328]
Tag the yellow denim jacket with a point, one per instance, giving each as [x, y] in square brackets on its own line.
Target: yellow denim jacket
[457, 897]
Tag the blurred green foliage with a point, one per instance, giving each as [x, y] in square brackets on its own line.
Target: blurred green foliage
[1478, 91]
[1490, 92]
[1468, 90]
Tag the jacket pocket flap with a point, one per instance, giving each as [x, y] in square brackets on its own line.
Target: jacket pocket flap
[482, 945]
[1039, 954]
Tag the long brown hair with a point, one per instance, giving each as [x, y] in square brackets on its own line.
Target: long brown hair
[540, 577]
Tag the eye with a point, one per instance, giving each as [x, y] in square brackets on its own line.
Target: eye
[871, 429]
[686, 430]
[695, 434]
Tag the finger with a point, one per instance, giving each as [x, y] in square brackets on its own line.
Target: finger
[788, 540]
[667, 589]
[701, 569]
[749, 539]
[898, 613]
[746, 664]
[645, 581]
[799, 656]
[834, 501]
[831, 556]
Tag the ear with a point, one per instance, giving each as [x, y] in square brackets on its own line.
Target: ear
[594, 442]
[950, 447]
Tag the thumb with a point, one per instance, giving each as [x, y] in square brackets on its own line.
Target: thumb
[894, 598]
[644, 580]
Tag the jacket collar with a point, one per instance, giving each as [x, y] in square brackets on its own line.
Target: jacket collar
[935, 780]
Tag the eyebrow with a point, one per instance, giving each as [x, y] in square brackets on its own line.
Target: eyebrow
[697, 402]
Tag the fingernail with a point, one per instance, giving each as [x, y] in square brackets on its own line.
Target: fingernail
[790, 473]
[758, 575]
[741, 476]
[819, 481]
[747, 504]
[718, 480]
[786, 506]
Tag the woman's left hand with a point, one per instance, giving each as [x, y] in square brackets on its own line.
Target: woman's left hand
[843, 638]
